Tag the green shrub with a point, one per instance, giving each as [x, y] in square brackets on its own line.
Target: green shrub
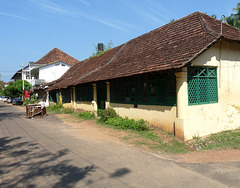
[86, 114]
[107, 114]
[30, 101]
[59, 109]
[66, 111]
[126, 123]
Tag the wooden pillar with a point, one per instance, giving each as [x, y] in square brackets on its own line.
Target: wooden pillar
[107, 103]
[60, 95]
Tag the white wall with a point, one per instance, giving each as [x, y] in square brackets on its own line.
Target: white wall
[224, 115]
[53, 71]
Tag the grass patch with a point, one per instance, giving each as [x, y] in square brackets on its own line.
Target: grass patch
[224, 140]
[86, 115]
[151, 140]
[58, 109]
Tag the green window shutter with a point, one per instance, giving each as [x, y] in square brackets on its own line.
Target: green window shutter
[84, 92]
[202, 85]
[66, 95]
[149, 89]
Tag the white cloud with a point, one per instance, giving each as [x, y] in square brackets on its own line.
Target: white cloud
[57, 9]
[84, 2]
[12, 15]
[152, 11]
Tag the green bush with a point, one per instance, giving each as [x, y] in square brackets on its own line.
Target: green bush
[126, 123]
[107, 114]
[86, 114]
[59, 109]
[30, 101]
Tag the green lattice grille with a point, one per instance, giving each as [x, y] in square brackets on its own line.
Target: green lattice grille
[202, 85]
[148, 89]
[84, 92]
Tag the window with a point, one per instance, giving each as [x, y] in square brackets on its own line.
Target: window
[148, 89]
[84, 92]
[202, 85]
[53, 96]
[66, 95]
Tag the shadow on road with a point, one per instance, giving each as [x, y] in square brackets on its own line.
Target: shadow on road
[27, 164]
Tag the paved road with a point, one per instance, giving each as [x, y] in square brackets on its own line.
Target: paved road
[44, 152]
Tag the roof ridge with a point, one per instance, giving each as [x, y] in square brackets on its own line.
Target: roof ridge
[205, 25]
[69, 59]
[101, 65]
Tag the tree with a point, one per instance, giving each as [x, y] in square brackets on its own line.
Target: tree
[15, 89]
[106, 48]
[234, 19]
[2, 83]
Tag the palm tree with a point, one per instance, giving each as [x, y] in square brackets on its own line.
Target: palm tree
[234, 19]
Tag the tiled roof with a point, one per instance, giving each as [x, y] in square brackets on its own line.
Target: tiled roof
[172, 46]
[84, 68]
[57, 55]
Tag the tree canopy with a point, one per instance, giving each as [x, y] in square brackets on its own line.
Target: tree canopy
[2, 83]
[15, 89]
[234, 19]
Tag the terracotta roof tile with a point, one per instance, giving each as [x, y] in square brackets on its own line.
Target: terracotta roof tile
[169, 47]
[57, 55]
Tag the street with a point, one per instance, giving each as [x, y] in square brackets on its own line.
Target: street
[45, 152]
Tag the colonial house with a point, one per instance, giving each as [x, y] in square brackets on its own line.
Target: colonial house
[50, 67]
[183, 77]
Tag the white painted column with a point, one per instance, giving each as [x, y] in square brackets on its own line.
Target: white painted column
[74, 99]
[182, 102]
[47, 99]
[94, 102]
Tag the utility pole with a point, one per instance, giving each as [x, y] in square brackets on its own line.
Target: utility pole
[23, 84]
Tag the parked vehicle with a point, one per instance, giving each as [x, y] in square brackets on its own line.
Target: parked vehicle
[5, 99]
[17, 101]
[1, 98]
[9, 100]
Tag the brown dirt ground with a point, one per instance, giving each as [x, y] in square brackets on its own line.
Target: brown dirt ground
[91, 129]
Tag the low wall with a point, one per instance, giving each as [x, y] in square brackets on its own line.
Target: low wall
[158, 116]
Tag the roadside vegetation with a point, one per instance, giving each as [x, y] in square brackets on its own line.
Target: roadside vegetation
[141, 134]
[224, 140]
[58, 109]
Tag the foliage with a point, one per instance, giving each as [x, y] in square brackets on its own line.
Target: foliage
[32, 100]
[107, 114]
[86, 114]
[106, 48]
[15, 89]
[2, 83]
[126, 123]
[234, 19]
[224, 140]
[58, 109]
[157, 141]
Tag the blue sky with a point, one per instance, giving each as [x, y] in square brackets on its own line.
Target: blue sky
[31, 28]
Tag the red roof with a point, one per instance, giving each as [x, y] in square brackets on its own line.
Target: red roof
[172, 46]
[57, 55]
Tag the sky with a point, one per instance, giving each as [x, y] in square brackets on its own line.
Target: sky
[29, 29]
